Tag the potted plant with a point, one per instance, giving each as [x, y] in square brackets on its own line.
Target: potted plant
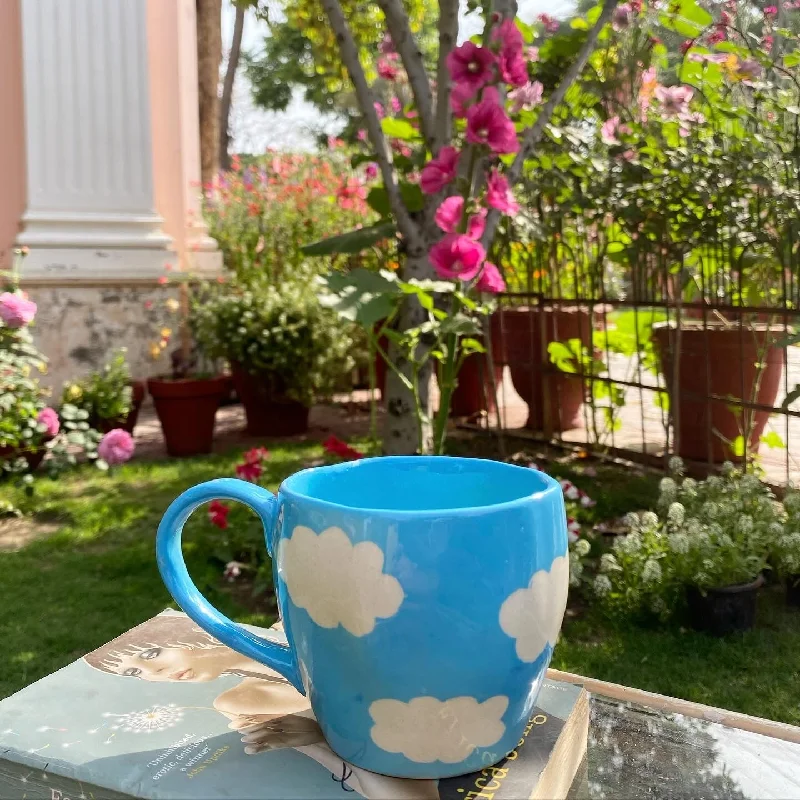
[110, 397]
[786, 556]
[284, 348]
[187, 399]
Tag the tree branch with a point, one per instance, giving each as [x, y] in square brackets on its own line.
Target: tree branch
[366, 100]
[406, 44]
[448, 35]
[533, 135]
[506, 8]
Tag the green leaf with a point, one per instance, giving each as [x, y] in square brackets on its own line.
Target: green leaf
[772, 439]
[352, 241]
[792, 59]
[400, 129]
[737, 446]
[472, 346]
[412, 196]
[378, 201]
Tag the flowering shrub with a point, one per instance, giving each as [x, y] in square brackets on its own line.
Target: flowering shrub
[280, 333]
[104, 395]
[116, 447]
[786, 552]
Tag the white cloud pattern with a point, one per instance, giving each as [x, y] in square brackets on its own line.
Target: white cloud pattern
[425, 729]
[533, 615]
[337, 582]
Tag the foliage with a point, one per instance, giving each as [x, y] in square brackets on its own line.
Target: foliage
[279, 332]
[104, 395]
[786, 551]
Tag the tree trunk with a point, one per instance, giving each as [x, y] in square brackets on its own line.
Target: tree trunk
[401, 434]
[227, 88]
[209, 55]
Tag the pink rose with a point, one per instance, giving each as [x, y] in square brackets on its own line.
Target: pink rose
[499, 195]
[491, 280]
[116, 447]
[15, 310]
[471, 64]
[457, 256]
[49, 418]
[488, 124]
[440, 171]
[448, 215]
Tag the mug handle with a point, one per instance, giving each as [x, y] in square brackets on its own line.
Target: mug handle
[173, 571]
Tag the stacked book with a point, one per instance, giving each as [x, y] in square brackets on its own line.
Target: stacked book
[166, 711]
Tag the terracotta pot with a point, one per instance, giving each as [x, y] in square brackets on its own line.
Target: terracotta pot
[127, 423]
[475, 392]
[267, 414]
[186, 409]
[554, 399]
[722, 361]
[726, 610]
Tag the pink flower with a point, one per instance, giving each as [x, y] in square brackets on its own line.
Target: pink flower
[527, 96]
[361, 135]
[550, 23]
[49, 418]
[770, 11]
[488, 124]
[674, 100]
[491, 281]
[749, 69]
[498, 193]
[460, 96]
[511, 61]
[476, 224]
[387, 45]
[608, 131]
[387, 69]
[716, 37]
[218, 514]
[379, 110]
[513, 69]
[471, 64]
[396, 105]
[457, 256]
[15, 310]
[767, 41]
[508, 35]
[647, 89]
[116, 447]
[448, 215]
[371, 171]
[533, 54]
[440, 171]
[686, 45]
[622, 16]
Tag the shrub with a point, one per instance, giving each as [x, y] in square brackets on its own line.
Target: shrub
[104, 395]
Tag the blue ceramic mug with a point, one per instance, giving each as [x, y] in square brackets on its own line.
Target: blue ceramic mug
[421, 599]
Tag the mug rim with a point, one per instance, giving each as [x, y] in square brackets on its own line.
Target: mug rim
[551, 487]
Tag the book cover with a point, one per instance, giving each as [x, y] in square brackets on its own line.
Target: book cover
[166, 711]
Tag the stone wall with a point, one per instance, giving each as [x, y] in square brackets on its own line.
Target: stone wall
[79, 327]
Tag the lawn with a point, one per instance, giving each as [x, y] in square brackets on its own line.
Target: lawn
[93, 575]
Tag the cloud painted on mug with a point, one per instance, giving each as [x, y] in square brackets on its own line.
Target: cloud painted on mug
[337, 582]
[533, 615]
[426, 729]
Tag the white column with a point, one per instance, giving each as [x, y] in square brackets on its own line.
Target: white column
[90, 208]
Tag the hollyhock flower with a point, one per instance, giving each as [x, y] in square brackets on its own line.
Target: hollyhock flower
[550, 23]
[448, 215]
[476, 224]
[674, 100]
[622, 16]
[49, 418]
[218, 514]
[471, 64]
[371, 171]
[339, 448]
[15, 310]
[498, 193]
[508, 35]
[379, 110]
[457, 256]
[387, 45]
[770, 11]
[116, 447]
[488, 124]
[647, 89]
[573, 530]
[491, 280]
[608, 131]
[387, 69]
[440, 171]
[460, 96]
[528, 96]
[532, 54]
[511, 61]
[513, 69]
[396, 105]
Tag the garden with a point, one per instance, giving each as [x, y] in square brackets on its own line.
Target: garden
[595, 216]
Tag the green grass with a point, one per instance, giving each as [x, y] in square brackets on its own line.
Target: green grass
[95, 576]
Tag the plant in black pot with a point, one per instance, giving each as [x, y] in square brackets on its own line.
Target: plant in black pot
[720, 532]
[786, 553]
[187, 399]
[285, 350]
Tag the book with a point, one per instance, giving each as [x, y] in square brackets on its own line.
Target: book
[165, 711]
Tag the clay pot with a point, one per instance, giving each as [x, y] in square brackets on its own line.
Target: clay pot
[186, 409]
[474, 393]
[730, 609]
[127, 423]
[723, 361]
[554, 399]
[267, 414]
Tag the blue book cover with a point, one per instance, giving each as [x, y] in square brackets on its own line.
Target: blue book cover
[166, 711]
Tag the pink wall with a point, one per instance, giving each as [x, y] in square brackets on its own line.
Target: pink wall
[12, 128]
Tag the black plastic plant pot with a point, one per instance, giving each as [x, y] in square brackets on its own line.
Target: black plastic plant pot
[720, 612]
[793, 591]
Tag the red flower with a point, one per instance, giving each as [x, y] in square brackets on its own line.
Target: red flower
[256, 455]
[249, 472]
[218, 514]
[440, 171]
[339, 448]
